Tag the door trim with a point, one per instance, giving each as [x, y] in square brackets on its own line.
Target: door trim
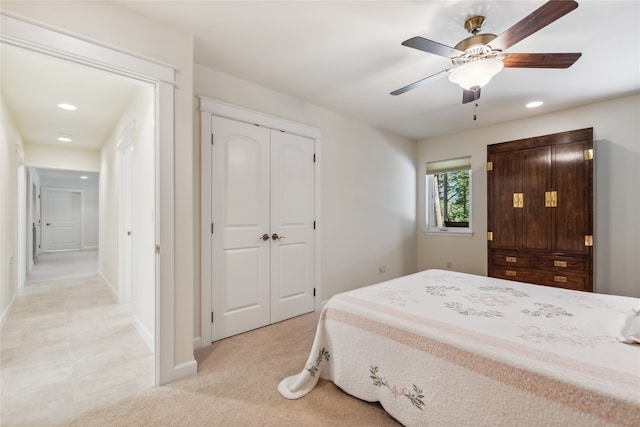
[208, 108]
[39, 38]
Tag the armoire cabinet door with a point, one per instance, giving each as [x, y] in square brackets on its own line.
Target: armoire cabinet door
[572, 214]
[534, 175]
[502, 184]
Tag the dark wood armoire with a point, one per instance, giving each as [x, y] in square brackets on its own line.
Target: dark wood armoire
[540, 210]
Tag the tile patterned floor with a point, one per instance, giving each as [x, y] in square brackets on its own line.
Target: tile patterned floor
[68, 347]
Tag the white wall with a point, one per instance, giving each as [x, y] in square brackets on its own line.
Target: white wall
[616, 125]
[10, 146]
[143, 221]
[56, 157]
[89, 206]
[139, 113]
[368, 185]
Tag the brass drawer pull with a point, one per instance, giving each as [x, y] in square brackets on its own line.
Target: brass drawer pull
[560, 279]
[510, 273]
[559, 263]
[511, 259]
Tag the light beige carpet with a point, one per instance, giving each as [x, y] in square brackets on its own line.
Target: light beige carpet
[236, 386]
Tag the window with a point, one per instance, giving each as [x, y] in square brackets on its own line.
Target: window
[449, 195]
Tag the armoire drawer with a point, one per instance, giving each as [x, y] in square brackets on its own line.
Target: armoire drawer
[566, 281]
[559, 263]
[518, 274]
[559, 280]
[512, 259]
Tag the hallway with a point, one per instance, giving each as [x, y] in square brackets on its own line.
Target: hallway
[67, 346]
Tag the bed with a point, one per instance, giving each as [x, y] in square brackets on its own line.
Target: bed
[451, 349]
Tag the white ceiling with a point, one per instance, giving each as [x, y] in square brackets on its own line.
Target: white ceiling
[34, 84]
[347, 57]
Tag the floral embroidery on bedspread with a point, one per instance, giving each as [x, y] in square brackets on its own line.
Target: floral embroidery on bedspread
[489, 300]
[440, 291]
[514, 292]
[415, 395]
[470, 311]
[546, 310]
[397, 297]
[574, 337]
[322, 354]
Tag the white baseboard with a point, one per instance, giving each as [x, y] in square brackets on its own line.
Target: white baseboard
[197, 343]
[6, 311]
[114, 290]
[184, 370]
[144, 333]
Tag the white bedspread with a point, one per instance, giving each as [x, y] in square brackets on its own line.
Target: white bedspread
[443, 348]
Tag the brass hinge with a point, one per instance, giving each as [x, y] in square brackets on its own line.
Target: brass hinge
[588, 154]
[157, 249]
[314, 292]
[490, 236]
[314, 157]
[518, 200]
[588, 240]
[489, 166]
[551, 199]
[314, 225]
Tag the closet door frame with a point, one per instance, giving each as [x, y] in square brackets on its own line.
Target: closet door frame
[208, 108]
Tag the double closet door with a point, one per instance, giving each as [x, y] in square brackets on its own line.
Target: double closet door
[263, 226]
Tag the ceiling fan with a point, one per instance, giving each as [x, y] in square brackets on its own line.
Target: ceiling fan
[479, 57]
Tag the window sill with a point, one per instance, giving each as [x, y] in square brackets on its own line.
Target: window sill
[448, 232]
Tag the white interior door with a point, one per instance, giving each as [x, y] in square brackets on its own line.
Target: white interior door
[292, 216]
[240, 210]
[62, 220]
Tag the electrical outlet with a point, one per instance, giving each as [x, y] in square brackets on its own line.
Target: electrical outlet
[382, 269]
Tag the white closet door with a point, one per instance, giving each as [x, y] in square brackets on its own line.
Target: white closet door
[292, 216]
[240, 208]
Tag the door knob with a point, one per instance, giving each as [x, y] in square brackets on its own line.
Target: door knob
[275, 236]
[265, 237]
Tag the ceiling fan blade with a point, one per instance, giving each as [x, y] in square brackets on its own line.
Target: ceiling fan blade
[414, 85]
[540, 18]
[470, 95]
[430, 46]
[540, 60]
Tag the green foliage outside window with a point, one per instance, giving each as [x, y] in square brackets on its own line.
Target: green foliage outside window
[452, 190]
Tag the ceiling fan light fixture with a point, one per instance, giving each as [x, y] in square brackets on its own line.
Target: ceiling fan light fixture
[475, 74]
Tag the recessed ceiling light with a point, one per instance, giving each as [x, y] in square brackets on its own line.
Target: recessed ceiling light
[64, 138]
[84, 177]
[66, 106]
[534, 104]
